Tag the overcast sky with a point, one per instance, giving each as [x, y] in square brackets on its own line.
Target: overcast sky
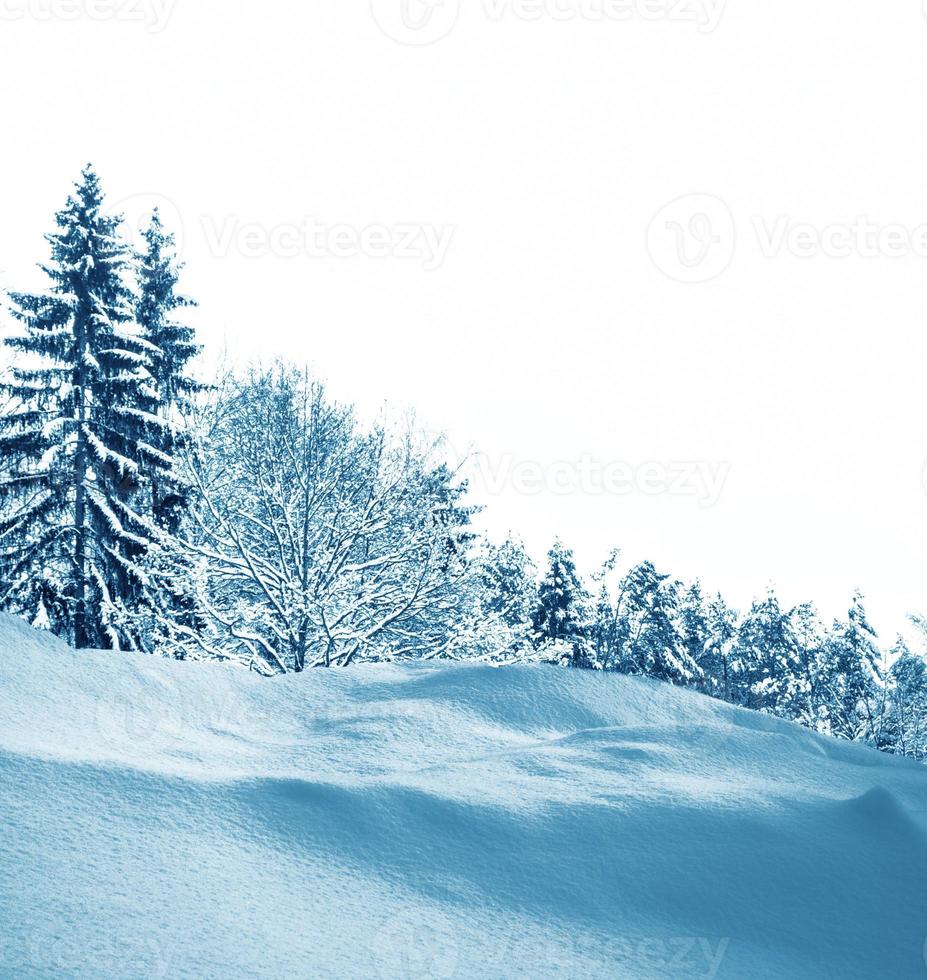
[664, 263]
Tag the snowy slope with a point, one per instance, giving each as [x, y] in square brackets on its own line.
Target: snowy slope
[179, 820]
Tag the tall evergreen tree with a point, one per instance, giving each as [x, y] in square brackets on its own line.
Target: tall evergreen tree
[497, 623]
[172, 347]
[560, 622]
[80, 444]
[607, 634]
[720, 679]
[852, 675]
[766, 659]
[649, 614]
[171, 619]
[905, 728]
[808, 637]
[694, 632]
[508, 576]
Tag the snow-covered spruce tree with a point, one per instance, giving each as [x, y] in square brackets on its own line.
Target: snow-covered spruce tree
[171, 620]
[508, 575]
[766, 660]
[648, 616]
[560, 623]
[504, 592]
[808, 636]
[905, 728]
[852, 676]
[172, 347]
[717, 663]
[607, 629]
[80, 444]
[694, 633]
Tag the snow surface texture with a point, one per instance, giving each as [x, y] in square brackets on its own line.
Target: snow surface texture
[160, 819]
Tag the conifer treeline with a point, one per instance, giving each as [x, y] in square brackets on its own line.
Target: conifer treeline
[835, 679]
[256, 520]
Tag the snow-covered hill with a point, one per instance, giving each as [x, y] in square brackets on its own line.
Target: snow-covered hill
[160, 819]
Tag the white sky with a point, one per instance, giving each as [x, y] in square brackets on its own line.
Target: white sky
[551, 331]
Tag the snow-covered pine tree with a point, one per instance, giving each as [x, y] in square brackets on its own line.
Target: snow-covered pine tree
[905, 728]
[808, 636]
[80, 441]
[607, 635]
[649, 613]
[507, 574]
[766, 659]
[721, 621]
[173, 346]
[694, 632]
[560, 622]
[171, 619]
[852, 675]
[505, 593]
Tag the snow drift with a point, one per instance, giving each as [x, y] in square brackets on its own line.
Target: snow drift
[163, 819]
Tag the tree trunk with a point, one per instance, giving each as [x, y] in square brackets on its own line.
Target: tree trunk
[82, 637]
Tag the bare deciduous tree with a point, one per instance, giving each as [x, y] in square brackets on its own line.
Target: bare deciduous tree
[325, 544]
